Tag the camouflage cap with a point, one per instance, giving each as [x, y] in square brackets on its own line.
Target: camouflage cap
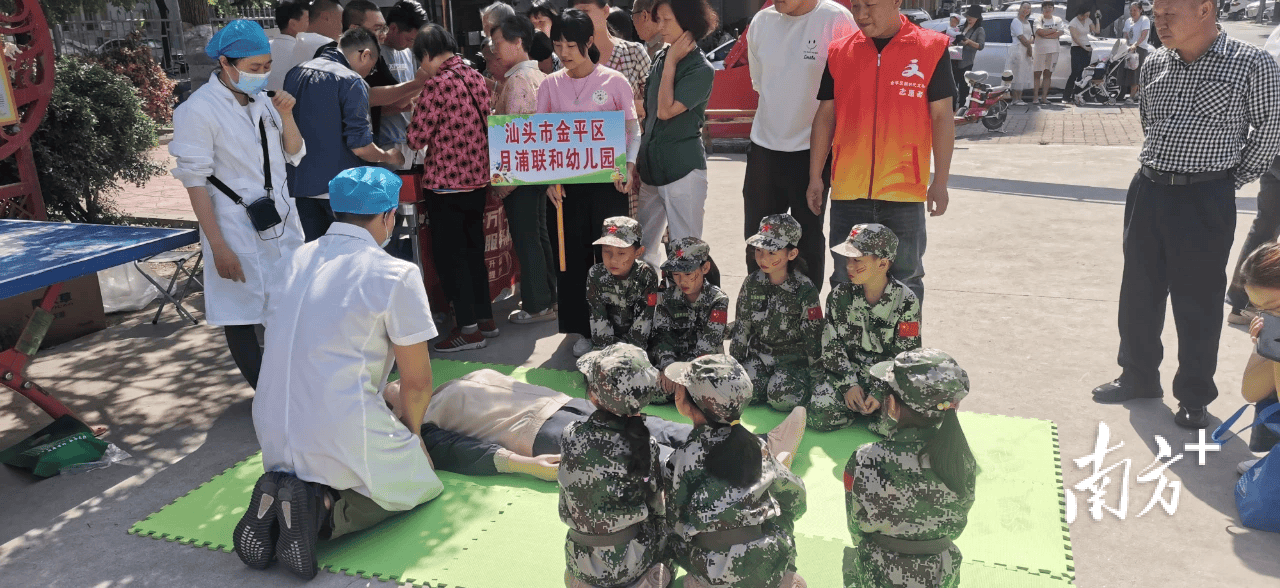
[619, 231]
[716, 383]
[869, 239]
[621, 377]
[927, 380]
[686, 255]
[776, 232]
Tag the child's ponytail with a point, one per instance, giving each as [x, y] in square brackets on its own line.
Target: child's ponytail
[737, 460]
[950, 457]
[637, 436]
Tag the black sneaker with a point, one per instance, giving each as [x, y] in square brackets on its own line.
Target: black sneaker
[255, 535]
[1118, 391]
[1190, 417]
[300, 514]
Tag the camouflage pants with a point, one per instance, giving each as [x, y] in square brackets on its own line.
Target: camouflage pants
[617, 566]
[870, 566]
[826, 408]
[658, 576]
[759, 564]
[783, 381]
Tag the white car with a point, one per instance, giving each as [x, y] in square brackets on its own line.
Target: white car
[995, 55]
[1251, 11]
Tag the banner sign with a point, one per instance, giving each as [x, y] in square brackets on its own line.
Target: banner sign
[562, 148]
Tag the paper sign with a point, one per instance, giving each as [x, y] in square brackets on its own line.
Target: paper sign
[563, 148]
[8, 113]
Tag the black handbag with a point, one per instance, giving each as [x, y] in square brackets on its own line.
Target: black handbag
[262, 212]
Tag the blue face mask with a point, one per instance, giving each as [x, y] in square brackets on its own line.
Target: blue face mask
[250, 83]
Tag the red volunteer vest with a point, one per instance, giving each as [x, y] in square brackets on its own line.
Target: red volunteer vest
[884, 131]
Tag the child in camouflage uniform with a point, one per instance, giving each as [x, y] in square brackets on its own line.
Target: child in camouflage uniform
[621, 290]
[778, 325]
[610, 478]
[732, 505]
[870, 319]
[908, 497]
[690, 318]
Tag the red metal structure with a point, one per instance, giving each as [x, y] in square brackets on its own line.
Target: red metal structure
[31, 73]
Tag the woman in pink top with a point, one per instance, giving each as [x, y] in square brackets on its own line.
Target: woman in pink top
[584, 86]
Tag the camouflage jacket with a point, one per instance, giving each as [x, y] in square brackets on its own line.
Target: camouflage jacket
[700, 502]
[785, 319]
[858, 335]
[887, 491]
[621, 309]
[684, 330]
[597, 496]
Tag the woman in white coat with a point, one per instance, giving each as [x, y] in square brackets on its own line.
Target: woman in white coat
[218, 136]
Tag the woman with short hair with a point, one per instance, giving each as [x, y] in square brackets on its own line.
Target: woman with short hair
[1261, 274]
[672, 161]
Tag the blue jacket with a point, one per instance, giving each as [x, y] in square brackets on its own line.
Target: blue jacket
[333, 117]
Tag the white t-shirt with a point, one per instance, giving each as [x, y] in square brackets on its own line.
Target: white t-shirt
[281, 60]
[1017, 30]
[787, 55]
[336, 307]
[1080, 28]
[1272, 45]
[1133, 31]
[1044, 44]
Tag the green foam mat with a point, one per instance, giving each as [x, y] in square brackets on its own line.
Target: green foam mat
[1016, 534]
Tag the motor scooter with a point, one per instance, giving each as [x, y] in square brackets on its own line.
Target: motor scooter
[986, 103]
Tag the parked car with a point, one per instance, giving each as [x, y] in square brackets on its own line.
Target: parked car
[716, 56]
[1234, 10]
[994, 57]
[916, 15]
[1251, 11]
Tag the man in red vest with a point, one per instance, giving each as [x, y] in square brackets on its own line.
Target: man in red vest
[884, 108]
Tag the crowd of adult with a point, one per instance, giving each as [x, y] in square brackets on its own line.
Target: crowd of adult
[269, 172]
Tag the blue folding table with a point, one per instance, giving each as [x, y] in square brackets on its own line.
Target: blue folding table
[36, 254]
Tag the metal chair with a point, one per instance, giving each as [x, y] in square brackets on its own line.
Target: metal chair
[179, 260]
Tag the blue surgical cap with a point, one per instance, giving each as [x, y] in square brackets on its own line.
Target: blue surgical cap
[364, 190]
[240, 38]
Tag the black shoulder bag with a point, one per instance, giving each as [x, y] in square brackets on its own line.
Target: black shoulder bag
[262, 212]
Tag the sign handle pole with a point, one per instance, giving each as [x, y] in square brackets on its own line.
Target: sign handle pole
[560, 222]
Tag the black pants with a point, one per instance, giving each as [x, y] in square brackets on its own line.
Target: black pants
[526, 208]
[246, 351]
[1079, 60]
[962, 85]
[316, 215]
[585, 208]
[669, 435]
[457, 241]
[1177, 240]
[775, 183]
[1265, 227]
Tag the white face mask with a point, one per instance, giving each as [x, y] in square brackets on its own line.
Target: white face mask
[391, 228]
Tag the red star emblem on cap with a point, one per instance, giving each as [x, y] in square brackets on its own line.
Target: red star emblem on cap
[766, 228]
[613, 229]
[853, 233]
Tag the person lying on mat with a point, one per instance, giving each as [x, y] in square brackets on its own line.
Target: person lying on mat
[342, 449]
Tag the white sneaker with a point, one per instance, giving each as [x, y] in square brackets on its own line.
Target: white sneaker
[1019, 103]
[1128, 100]
[1245, 465]
[582, 347]
[523, 317]
[784, 440]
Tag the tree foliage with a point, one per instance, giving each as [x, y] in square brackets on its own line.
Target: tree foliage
[94, 136]
[133, 60]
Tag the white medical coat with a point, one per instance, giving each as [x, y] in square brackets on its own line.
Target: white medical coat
[214, 135]
[336, 307]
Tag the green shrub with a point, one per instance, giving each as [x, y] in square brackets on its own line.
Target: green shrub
[94, 135]
[133, 60]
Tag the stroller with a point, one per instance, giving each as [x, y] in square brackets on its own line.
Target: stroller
[1100, 83]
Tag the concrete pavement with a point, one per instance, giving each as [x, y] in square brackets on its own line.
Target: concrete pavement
[1023, 277]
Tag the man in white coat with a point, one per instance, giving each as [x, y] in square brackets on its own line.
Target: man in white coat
[343, 449]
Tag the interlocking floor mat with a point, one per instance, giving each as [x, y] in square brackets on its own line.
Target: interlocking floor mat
[1016, 535]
